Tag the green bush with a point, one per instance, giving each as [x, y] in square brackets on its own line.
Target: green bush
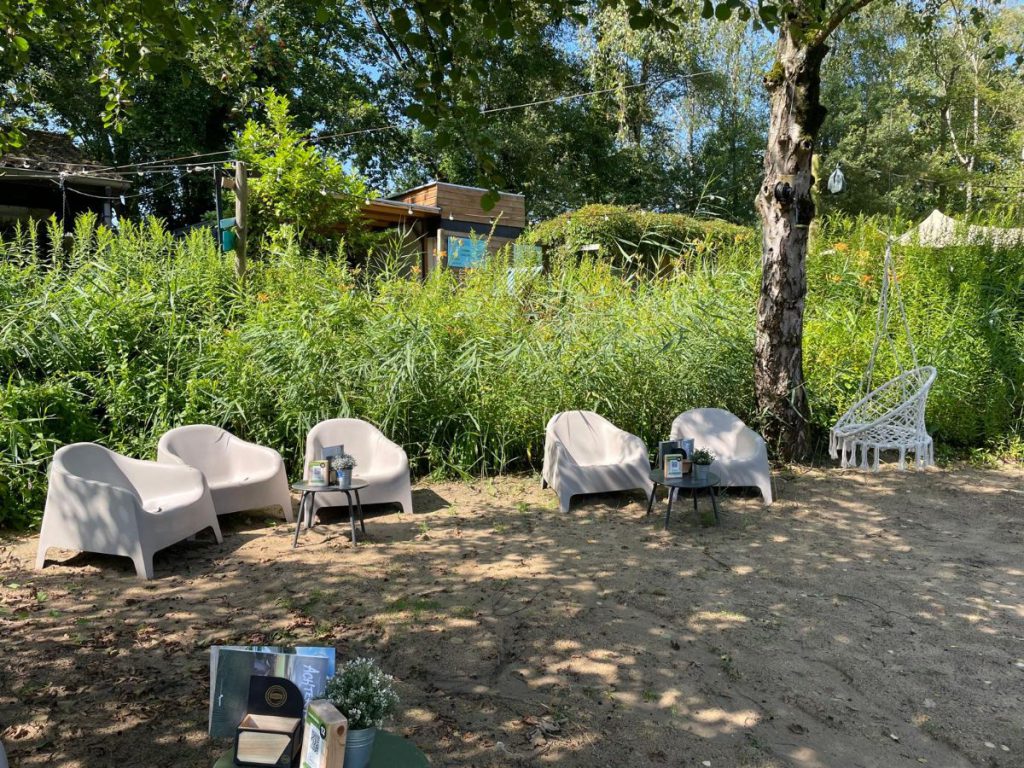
[638, 241]
[125, 335]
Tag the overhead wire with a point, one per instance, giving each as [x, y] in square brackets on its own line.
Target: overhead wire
[123, 168]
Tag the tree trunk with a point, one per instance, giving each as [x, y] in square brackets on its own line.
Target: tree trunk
[786, 210]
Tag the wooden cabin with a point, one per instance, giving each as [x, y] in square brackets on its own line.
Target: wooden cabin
[49, 176]
[448, 224]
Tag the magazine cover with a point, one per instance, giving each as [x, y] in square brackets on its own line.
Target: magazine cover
[231, 666]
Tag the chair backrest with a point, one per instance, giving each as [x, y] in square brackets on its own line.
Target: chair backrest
[205, 447]
[588, 436]
[902, 399]
[90, 461]
[715, 429]
[359, 438]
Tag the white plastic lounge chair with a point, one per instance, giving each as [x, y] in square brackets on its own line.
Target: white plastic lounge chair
[890, 417]
[241, 475]
[586, 453]
[380, 462]
[741, 456]
[100, 501]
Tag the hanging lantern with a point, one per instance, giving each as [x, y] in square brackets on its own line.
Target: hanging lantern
[837, 182]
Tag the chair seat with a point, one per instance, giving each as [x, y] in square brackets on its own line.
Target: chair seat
[156, 505]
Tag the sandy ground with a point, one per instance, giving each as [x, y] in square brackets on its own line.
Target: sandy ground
[861, 621]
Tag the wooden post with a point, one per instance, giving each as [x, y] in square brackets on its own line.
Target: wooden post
[241, 219]
[218, 235]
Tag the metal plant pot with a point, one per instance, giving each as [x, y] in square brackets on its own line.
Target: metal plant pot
[359, 744]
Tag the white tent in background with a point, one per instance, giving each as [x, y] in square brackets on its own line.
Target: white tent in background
[940, 231]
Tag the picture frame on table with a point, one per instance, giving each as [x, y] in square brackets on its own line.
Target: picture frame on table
[319, 472]
[673, 466]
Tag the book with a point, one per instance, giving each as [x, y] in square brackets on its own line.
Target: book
[231, 666]
[332, 452]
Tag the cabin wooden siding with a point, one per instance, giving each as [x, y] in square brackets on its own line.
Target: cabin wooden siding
[463, 203]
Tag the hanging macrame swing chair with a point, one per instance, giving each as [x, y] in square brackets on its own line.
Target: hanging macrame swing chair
[890, 417]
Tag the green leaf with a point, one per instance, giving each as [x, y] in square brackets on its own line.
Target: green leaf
[723, 12]
[401, 21]
[489, 199]
[708, 10]
[20, 43]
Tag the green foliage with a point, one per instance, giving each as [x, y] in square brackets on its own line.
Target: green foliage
[294, 182]
[119, 45]
[363, 693]
[638, 240]
[126, 335]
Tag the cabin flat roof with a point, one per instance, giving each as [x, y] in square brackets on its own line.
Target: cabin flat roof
[448, 184]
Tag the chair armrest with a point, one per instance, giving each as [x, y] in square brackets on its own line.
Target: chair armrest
[632, 447]
[105, 501]
[152, 478]
[749, 443]
[559, 453]
[254, 459]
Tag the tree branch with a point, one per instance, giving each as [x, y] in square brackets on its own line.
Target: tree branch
[838, 16]
[402, 60]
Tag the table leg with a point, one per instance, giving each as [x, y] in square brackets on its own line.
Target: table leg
[693, 493]
[713, 492]
[310, 512]
[359, 506]
[668, 511]
[650, 504]
[351, 514]
[299, 518]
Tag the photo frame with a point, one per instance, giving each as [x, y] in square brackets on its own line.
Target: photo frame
[665, 447]
[673, 466]
[319, 472]
[330, 451]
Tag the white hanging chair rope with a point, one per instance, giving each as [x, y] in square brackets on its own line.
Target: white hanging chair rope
[893, 415]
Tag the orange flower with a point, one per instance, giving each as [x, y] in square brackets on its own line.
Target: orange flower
[262, 297]
[835, 278]
[865, 279]
[841, 247]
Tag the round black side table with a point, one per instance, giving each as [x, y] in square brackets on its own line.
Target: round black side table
[685, 483]
[310, 492]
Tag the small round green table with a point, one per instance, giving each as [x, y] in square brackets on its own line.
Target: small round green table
[389, 751]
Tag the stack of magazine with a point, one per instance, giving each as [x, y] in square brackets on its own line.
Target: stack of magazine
[231, 666]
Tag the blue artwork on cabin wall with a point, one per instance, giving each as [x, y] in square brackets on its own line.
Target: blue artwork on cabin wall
[466, 253]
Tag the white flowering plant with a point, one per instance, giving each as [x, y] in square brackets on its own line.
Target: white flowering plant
[363, 693]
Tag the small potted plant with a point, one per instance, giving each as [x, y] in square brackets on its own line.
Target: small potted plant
[365, 695]
[343, 466]
[702, 459]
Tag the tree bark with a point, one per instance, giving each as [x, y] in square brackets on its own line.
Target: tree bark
[786, 209]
